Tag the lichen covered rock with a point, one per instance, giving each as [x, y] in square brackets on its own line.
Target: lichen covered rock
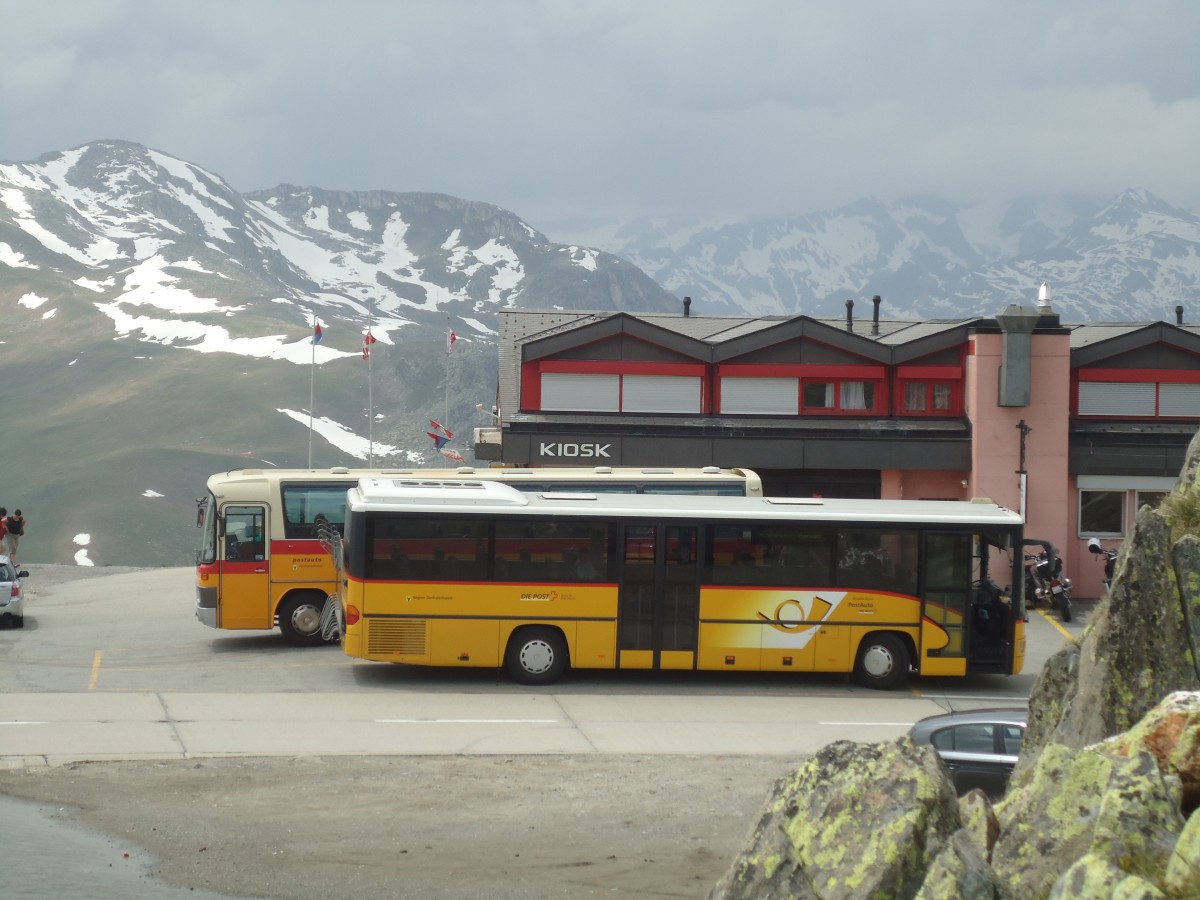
[858, 820]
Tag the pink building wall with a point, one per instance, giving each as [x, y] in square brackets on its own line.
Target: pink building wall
[897, 484]
[996, 439]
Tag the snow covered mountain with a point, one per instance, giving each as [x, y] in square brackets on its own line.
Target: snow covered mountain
[158, 327]
[158, 324]
[1134, 258]
[174, 254]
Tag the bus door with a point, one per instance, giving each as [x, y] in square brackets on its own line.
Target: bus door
[946, 590]
[245, 593]
[659, 599]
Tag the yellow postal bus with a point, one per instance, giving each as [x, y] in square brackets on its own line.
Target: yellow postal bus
[262, 562]
[472, 573]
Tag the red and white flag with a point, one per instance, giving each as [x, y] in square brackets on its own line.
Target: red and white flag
[442, 429]
[451, 453]
[368, 340]
[451, 337]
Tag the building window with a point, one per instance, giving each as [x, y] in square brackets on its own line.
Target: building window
[1148, 498]
[1109, 398]
[818, 395]
[926, 396]
[1102, 513]
[838, 396]
[579, 392]
[660, 393]
[763, 396]
[605, 392]
[858, 395]
[1179, 400]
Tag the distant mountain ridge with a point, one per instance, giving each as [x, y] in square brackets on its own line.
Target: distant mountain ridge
[1133, 258]
[158, 323]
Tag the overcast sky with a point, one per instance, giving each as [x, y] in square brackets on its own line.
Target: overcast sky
[556, 109]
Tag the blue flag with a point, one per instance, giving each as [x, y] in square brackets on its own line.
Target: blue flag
[317, 334]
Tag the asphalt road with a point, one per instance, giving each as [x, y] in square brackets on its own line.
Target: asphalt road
[114, 666]
[228, 762]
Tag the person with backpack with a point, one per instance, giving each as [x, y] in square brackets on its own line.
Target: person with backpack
[14, 527]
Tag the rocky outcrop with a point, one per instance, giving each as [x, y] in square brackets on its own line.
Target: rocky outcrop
[1102, 804]
[1140, 646]
[858, 820]
[1114, 819]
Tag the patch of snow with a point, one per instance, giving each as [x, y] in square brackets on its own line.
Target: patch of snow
[340, 436]
[98, 286]
[583, 257]
[13, 259]
[32, 301]
[477, 325]
[150, 493]
[215, 339]
[81, 555]
[148, 283]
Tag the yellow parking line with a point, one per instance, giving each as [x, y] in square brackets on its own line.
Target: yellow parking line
[1049, 617]
[95, 670]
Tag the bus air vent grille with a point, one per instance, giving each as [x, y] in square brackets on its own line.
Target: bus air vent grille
[399, 636]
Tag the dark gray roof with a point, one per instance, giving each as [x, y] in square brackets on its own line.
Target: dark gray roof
[519, 326]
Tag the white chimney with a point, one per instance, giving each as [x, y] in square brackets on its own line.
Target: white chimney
[1044, 299]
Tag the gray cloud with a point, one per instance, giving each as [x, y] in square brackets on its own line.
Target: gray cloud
[558, 109]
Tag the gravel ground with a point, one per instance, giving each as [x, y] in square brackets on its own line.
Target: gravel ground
[430, 827]
[436, 827]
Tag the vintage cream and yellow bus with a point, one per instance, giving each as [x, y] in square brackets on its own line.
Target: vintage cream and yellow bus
[262, 563]
[470, 573]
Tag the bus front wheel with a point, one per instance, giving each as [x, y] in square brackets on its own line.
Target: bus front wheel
[536, 656]
[882, 662]
[300, 620]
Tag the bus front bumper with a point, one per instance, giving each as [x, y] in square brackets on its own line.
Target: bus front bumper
[206, 606]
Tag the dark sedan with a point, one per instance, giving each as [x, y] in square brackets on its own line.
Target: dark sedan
[979, 746]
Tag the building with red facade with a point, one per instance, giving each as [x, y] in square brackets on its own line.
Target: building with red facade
[1075, 425]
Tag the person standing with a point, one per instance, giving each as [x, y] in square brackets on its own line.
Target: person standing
[3, 529]
[14, 527]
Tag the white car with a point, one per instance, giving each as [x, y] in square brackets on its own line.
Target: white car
[12, 598]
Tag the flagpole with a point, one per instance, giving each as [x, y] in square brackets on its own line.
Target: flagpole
[370, 400]
[446, 409]
[312, 381]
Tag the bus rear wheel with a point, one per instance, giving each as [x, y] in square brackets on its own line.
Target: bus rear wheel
[536, 656]
[882, 662]
[300, 620]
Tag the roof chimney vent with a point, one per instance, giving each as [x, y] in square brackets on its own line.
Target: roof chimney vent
[875, 301]
[850, 315]
[1016, 366]
[1179, 315]
[687, 306]
[1044, 306]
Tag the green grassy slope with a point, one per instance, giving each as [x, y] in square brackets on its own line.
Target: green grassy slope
[92, 422]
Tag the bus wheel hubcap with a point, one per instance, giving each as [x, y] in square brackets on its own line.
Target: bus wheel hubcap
[306, 620]
[878, 662]
[536, 657]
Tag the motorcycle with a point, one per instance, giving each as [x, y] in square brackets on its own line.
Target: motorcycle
[1044, 579]
[1110, 559]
